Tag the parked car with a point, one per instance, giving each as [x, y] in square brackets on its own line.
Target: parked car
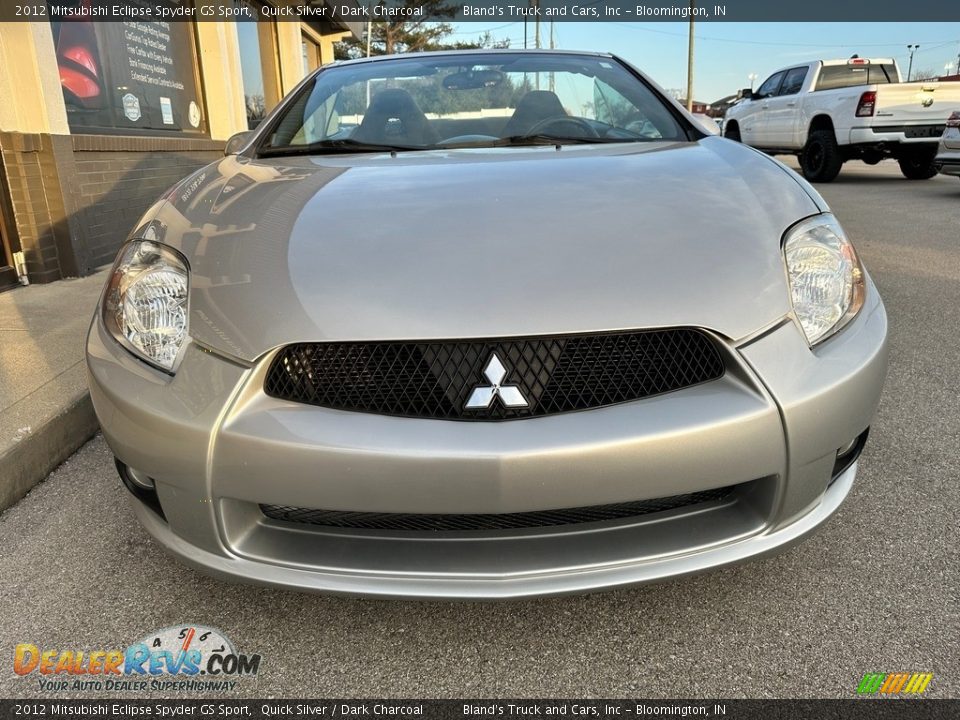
[830, 111]
[709, 124]
[948, 154]
[473, 339]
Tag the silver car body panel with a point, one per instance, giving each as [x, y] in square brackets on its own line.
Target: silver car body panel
[566, 580]
[488, 243]
[290, 240]
[218, 446]
[948, 153]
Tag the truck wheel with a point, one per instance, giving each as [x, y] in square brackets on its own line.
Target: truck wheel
[918, 166]
[733, 133]
[820, 160]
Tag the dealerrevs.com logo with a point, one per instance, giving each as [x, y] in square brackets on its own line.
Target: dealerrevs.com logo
[182, 657]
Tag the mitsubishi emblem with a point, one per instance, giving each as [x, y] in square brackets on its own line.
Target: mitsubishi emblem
[482, 397]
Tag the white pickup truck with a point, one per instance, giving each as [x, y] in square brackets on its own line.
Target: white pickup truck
[829, 111]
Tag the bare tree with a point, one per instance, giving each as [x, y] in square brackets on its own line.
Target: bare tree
[401, 36]
[926, 74]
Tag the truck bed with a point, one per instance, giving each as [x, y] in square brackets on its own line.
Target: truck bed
[916, 103]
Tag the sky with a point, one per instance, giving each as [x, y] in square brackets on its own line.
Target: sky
[727, 53]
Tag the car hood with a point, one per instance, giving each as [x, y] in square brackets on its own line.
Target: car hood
[483, 243]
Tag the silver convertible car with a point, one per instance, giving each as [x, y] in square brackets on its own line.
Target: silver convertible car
[485, 325]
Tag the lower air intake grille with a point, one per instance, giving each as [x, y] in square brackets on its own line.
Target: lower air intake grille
[505, 521]
[515, 378]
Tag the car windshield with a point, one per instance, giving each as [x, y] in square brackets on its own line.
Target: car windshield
[471, 100]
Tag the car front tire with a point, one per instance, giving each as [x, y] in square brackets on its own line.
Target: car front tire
[820, 160]
[733, 133]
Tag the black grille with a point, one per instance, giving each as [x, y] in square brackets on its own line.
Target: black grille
[435, 379]
[478, 522]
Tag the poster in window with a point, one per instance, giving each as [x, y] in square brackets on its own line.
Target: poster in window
[128, 75]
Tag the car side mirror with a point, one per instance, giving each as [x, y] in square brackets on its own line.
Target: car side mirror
[747, 93]
[237, 142]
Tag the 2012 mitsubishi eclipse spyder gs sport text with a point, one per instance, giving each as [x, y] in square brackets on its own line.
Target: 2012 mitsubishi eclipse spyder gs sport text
[485, 325]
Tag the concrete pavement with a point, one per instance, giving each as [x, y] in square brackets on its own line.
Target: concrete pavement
[45, 411]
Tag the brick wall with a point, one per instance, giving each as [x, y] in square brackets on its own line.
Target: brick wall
[74, 198]
[117, 181]
[34, 177]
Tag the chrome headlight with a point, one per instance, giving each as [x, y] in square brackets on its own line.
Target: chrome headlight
[145, 305]
[826, 278]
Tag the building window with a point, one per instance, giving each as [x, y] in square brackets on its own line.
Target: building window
[128, 76]
[311, 54]
[253, 53]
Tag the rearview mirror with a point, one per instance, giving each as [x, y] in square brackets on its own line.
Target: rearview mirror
[237, 142]
[473, 79]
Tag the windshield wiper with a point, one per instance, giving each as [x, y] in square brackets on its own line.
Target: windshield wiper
[538, 139]
[343, 145]
[347, 145]
[541, 139]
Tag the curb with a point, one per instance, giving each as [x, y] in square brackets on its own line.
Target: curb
[26, 462]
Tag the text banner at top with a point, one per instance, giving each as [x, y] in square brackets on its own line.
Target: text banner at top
[482, 11]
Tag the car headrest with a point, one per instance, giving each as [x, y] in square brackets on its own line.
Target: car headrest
[395, 104]
[534, 107]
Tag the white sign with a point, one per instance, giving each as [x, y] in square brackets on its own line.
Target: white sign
[131, 107]
[166, 109]
[194, 115]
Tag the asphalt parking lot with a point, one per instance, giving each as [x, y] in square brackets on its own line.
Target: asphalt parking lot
[877, 590]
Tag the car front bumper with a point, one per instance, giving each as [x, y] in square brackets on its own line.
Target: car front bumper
[218, 448]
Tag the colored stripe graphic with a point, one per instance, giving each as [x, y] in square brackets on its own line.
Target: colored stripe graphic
[871, 683]
[918, 683]
[894, 683]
